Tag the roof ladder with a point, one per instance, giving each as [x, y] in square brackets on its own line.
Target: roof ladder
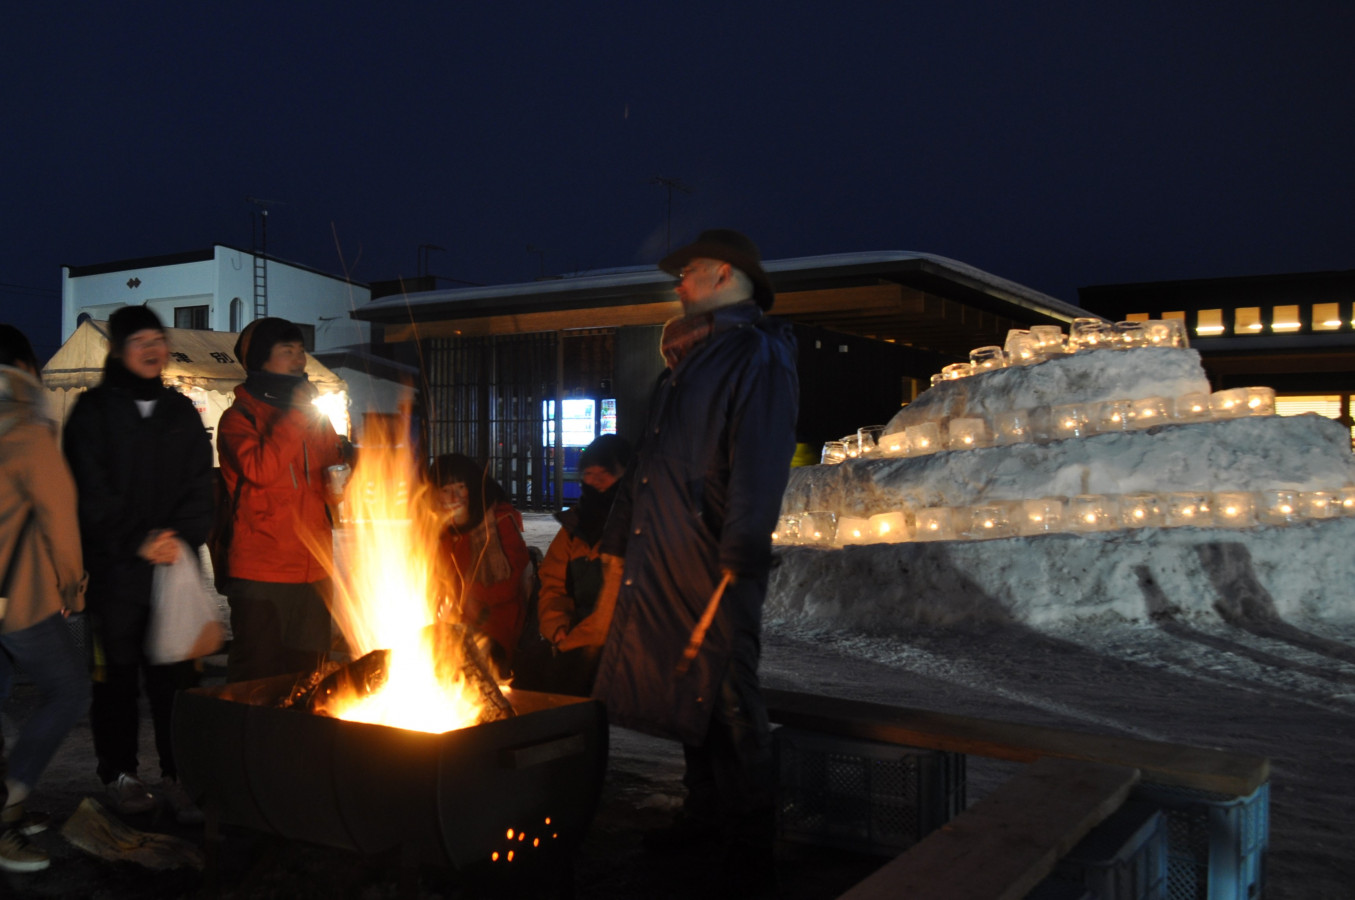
[261, 266]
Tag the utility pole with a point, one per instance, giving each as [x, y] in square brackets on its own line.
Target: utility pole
[541, 258]
[423, 257]
[670, 185]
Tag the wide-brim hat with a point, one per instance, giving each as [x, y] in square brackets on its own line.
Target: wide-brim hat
[725, 245]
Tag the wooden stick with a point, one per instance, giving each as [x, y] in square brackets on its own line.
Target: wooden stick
[699, 632]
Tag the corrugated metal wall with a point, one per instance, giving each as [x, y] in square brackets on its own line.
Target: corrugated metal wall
[485, 397]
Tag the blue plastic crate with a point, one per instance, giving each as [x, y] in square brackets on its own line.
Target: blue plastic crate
[1123, 858]
[863, 795]
[1216, 843]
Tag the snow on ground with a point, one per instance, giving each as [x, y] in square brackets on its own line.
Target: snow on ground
[1251, 680]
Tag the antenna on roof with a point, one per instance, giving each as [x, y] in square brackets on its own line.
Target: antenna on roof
[670, 184]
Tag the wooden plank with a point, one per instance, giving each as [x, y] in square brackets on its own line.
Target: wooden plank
[1204, 769]
[1009, 841]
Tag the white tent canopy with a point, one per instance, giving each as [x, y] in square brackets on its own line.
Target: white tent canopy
[202, 365]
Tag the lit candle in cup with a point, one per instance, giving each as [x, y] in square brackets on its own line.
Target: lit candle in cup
[956, 371]
[1141, 511]
[834, 452]
[985, 359]
[967, 434]
[1188, 508]
[1022, 347]
[1165, 333]
[1128, 335]
[1192, 407]
[1113, 415]
[893, 444]
[818, 527]
[989, 521]
[1069, 420]
[1091, 512]
[1229, 403]
[1041, 516]
[787, 530]
[1279, 507]
[1260, 401]
[1345, 498]
[923, 439]
[889, 528]
[853, 530]
[1089, 334]
[1319, 504]
[1049, 340]
[935, 524]
[853, 445]
[1234, 509]
[938, 378]
[1012, 426]
[1149, 411]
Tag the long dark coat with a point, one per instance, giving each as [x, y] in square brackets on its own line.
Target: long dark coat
[134, 476]
[703, 496]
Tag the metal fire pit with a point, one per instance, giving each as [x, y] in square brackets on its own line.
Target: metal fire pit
[526, 786]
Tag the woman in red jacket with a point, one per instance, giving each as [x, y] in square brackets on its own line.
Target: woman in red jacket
[485, 564]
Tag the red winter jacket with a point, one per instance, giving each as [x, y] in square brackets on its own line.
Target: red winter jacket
[499, 609]
[276, 459]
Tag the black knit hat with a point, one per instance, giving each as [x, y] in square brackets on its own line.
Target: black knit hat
[729, 246]
[610, 451]
[256, 341]
[126, 322]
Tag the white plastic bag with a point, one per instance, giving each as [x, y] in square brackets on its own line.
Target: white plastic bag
[185, 623]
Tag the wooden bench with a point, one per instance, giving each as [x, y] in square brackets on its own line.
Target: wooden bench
[1203, 769]
[1008, 842]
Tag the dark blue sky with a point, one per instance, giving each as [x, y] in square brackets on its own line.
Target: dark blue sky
[1057, 144]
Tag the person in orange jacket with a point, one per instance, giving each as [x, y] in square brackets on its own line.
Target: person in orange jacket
[275, 446]
[486, 572]
[571, 573]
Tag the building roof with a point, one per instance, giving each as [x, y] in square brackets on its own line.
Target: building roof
[189, 256]
[914, 298]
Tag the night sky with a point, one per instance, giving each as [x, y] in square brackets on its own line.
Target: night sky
[1056, 144]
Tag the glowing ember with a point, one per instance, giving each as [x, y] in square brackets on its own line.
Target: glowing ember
[386, 592]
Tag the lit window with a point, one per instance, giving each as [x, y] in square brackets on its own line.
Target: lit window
[1210, 322]
[1247, 320]
[1326, 317]
[1285, 318]
[1177, 314]
[1137, 317]
[1328, 405]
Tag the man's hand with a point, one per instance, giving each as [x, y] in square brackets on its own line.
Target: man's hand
[160, 548]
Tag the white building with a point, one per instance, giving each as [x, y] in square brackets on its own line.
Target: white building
[215, 290]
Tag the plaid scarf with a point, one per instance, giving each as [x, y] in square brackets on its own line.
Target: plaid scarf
[682, 334]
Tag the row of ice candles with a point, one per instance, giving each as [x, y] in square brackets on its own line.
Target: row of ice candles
[1025, 347]
[1080, 514]
[1067, 420]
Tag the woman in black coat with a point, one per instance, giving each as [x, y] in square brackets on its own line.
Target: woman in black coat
[142, 463]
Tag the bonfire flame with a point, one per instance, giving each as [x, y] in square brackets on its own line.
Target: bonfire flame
[387, 594]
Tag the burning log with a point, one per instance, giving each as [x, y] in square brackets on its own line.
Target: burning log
[331, 689]
[359, 679]
[458, 655]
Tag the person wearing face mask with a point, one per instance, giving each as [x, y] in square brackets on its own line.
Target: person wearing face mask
[571, 573]
[142, 463]
[274, 445]
[485, 564]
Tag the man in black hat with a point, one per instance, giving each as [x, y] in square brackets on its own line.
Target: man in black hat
[693, 524]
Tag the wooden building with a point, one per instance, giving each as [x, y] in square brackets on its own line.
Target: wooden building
[1294, 332]
[501, 364]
